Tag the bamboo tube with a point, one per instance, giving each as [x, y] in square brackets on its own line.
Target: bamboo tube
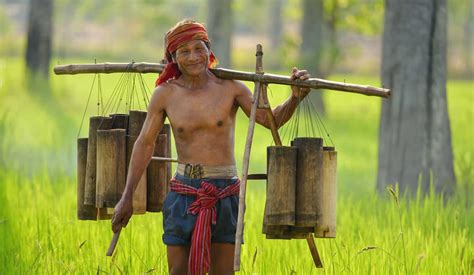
[119, 121]
[95, 123]
[326, 227]
[281, 182]
[84, 212]
[105, 213]
[159, 172]
[314, 83]
[277, 232]
[139, 195]
[136, 120]
[111, 165]
[308, 181]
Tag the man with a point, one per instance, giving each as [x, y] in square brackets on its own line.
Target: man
[199, 231]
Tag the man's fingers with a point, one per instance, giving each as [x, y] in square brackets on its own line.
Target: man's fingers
[117, 223]
[125, 221]
[116, 227]
[305, 76]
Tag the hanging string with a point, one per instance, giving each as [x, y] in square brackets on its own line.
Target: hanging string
[87, 105]
[305, 121]
[145, 91]
[100, 99]
[320, 124]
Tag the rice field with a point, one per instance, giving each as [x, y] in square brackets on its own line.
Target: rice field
[376, 233]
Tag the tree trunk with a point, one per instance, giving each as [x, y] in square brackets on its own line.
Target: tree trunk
[312, 45]
[220, 25]
[40, 31]
[276, 24]
[467, 43]
[415, 138]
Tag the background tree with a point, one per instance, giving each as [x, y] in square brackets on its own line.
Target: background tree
[275, 26]
[415, 137]
[312, 44]
[319, 49]
[40, 32]
[220, 25]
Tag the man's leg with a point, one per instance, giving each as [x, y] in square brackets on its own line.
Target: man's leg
[178, 259]
[222, 259]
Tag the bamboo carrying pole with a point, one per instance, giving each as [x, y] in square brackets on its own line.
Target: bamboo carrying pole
[245, 163]
[143, 67]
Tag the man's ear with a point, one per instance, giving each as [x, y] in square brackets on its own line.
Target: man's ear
[173, 58]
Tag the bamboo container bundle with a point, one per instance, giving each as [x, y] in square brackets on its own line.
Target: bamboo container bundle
[136, 120]
[111, 167]
[84, 212]
[105, 213]
[95, 123]
[159, 172]
[308, 184]
[119, 121]
[281, 182]
[326, 226]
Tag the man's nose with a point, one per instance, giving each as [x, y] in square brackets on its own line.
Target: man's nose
[193, 55]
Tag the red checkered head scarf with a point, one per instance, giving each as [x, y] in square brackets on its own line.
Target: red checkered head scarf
[182, 33]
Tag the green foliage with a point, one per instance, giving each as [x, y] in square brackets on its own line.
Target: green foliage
[363, 17]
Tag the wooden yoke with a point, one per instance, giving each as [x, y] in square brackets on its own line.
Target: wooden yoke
[245, 162]
[260, 100]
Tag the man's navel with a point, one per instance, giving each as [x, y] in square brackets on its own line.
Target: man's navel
[220, 123]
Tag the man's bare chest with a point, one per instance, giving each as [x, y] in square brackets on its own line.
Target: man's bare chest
[205, 110]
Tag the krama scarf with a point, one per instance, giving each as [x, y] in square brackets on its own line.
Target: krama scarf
[177, 37]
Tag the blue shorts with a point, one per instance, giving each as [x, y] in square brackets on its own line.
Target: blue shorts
[178, 225]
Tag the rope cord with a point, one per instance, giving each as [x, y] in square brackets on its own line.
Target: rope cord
[87, 105]
[125, 89]
[306, 121]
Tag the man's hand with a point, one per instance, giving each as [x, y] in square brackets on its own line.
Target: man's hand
[122, 213]
[299, 92]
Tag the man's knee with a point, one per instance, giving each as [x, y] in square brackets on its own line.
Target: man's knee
[178, 259]
[222, 259]
[178, 270]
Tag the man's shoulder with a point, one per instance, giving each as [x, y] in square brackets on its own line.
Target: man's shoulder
[163, 89]
[230, 85]
[162, 92]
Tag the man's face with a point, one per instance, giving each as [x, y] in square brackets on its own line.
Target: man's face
[192, 57]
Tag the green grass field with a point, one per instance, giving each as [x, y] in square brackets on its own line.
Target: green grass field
[39, 232]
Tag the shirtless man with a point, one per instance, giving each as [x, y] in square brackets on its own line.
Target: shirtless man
[201, 109]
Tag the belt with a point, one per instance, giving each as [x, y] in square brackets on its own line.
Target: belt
[198, 171]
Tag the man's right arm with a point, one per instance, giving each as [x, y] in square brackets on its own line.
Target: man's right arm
[141, 155]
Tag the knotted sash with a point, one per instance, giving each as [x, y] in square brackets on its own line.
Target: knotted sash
[176, 38]
[204, 206]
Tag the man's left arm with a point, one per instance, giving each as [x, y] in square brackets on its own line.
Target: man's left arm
[283, 112]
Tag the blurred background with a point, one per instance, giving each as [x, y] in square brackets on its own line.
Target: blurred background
[367, 42]
[350, 30]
